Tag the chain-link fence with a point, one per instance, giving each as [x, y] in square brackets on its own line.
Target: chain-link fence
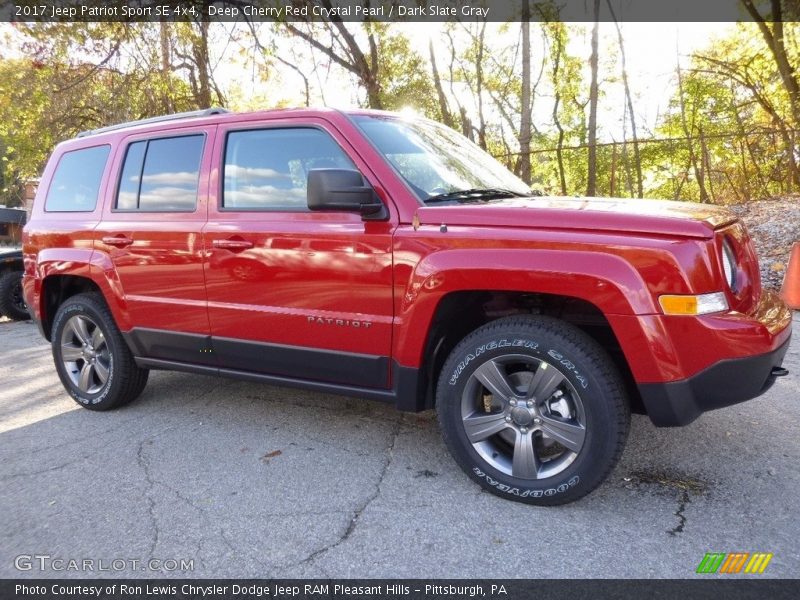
[719, 167]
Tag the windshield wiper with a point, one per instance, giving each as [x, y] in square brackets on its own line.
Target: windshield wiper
[473, 195]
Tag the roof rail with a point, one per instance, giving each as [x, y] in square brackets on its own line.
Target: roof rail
[183, 115]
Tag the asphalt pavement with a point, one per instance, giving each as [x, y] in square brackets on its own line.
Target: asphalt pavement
[206, 477]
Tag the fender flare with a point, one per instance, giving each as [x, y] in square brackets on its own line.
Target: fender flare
[606, 281]
[86, 263]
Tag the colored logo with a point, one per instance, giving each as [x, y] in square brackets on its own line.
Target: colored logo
[734, 562]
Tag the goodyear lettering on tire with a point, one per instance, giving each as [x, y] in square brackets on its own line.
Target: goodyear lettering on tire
[526, 493]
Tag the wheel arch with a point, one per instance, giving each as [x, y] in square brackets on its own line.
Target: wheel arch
[458, 313]
[57, 289]
[65, 272]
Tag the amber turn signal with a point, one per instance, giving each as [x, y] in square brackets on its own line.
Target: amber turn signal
[701, 304]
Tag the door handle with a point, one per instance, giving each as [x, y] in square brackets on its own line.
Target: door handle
[232, 244]
[120, 241]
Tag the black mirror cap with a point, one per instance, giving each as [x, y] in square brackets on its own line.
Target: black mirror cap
[343, 190]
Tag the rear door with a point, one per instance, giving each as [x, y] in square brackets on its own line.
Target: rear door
[294, 293]
[151, 230]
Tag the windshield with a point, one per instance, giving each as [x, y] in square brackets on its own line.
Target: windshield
[438, 163]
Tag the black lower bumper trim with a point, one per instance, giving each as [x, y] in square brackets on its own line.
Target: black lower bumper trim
[725, 383]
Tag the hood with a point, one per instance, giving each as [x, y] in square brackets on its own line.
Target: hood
[665, 217]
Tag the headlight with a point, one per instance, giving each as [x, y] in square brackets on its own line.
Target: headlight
[729, 264]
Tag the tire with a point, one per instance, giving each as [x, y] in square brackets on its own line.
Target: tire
[103, 374]
[533, 409]
[11, 303]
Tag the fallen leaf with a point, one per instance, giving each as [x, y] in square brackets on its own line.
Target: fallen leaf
[272, 454]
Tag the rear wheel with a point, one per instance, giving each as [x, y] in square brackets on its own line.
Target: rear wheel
[533, 410]
[12, 304]
[93, 361]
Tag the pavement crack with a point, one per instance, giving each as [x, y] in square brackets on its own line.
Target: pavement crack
[356, 515]
[85, 435]
[684, 500]
[144, 465]
[47, 470]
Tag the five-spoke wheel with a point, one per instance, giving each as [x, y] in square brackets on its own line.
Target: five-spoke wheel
[93, 361]
[533, 409]
[523, 416]
[85, 354]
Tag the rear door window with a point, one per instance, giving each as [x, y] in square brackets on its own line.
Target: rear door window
[161, 175]
[76, 182]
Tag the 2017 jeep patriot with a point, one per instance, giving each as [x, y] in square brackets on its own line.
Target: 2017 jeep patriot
[372, 255]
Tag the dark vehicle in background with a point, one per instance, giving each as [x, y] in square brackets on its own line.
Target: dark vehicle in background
[11, 303]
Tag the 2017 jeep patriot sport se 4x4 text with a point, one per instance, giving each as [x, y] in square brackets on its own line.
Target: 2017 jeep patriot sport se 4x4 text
[378, 256]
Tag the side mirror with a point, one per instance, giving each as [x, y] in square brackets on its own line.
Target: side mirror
[343, 190]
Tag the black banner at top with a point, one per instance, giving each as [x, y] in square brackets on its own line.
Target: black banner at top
[395, 10]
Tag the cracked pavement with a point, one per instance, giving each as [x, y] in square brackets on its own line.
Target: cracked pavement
[250, 480]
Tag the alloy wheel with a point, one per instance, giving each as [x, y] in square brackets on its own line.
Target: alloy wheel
[85, 354]
[523, 416]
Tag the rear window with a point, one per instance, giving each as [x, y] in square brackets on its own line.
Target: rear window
[161, 175]
[76, 182]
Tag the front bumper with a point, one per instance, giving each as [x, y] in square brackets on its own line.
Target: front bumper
[727, 382]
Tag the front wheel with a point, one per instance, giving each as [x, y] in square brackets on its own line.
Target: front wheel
[533, 409]
[93, 361]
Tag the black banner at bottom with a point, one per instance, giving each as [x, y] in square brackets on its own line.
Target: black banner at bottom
[397, 589]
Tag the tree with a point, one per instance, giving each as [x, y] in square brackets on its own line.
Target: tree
[591, 186]
[381, 60]
[527, 104]
[637, 159]
[74, 77]
[444, 109]
[774, 37]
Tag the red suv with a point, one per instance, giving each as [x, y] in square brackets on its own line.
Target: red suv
[373, 255]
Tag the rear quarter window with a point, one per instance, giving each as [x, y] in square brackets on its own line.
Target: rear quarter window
[76, 181]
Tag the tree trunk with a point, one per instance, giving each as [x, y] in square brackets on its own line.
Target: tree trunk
[166, 63]
[373, 93]
[637, 159]
[777, 46]
[346, 52]
[612, 189]
[525, 119]
[203, 66]
[591, 186]
[706, 162]
[479, 86]
[562, 179]
[447, 118]
[698, 171]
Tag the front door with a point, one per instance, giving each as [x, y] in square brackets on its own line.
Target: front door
[293, 293]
